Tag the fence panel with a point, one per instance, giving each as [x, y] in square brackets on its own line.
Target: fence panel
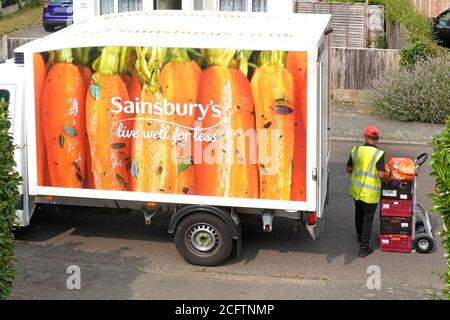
[356, 68]
[431, 8]
[349, 21]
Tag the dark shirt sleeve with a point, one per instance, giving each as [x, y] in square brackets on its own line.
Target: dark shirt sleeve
[350, 162]
[380, 164]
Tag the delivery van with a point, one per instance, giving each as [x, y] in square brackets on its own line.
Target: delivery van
[200, 117]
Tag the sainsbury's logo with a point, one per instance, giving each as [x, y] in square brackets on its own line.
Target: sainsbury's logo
[166, 108]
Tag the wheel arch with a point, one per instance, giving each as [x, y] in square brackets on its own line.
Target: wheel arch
[180, 214]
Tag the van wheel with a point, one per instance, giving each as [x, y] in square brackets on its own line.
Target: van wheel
[423, 243]
[203, 239]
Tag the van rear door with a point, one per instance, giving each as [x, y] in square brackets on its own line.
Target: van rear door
[323, 125]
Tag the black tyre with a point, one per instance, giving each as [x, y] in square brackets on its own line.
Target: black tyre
[203, 239]
[423, 243]
[48, 28]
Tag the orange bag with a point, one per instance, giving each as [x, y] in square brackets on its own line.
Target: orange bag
[401, 168]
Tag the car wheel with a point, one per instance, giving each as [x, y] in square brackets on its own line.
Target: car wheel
[48, 28]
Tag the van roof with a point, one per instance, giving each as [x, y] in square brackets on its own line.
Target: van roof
[191, 29]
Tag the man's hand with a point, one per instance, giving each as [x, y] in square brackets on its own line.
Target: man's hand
[384, 176]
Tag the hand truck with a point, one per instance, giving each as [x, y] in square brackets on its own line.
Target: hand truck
[422, 233]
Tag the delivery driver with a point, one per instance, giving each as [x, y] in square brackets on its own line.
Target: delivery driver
[366, 164]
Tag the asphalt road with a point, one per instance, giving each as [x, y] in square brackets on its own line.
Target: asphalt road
[121, 258]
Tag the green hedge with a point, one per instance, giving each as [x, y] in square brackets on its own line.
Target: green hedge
[441, 199]
[9, 181]
[420, 31]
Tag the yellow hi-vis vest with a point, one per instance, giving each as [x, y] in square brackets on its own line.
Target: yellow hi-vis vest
[365, 185]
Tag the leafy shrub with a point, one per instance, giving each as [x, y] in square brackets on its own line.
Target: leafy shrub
[35, 3]
[9, 180]
[420, 31]
[380, 40]
[415, 52]
[441, 199]
[420, 93]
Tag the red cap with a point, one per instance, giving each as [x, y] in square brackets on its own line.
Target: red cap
[372, 132]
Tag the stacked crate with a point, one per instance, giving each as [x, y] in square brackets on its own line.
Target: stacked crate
[396, 217]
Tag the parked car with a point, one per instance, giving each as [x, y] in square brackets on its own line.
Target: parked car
[57, 13]
[441, 27]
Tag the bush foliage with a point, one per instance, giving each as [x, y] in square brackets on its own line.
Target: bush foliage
[420, 93]
[441, 199]
[9, 181]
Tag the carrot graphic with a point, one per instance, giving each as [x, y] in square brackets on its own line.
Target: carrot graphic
[153, 165]
[180, 69]
[225, 169]
[82, 57]
[110, 154]
[272, 88]
[297, 66]
[40, 72]
[63, 122]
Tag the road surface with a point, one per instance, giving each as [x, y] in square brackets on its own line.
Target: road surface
[121, 258]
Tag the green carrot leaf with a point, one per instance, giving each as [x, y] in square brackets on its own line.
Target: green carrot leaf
[134, 169]
[61, 141]
[71, 131]
[95, 91]
[121, 180]
[184, 165]
[119, 145]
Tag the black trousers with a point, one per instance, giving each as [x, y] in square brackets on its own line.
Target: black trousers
[364, 213]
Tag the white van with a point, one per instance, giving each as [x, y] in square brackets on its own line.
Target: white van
[274, 83]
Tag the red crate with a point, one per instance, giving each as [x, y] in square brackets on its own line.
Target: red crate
[396, 208]
[395, 243]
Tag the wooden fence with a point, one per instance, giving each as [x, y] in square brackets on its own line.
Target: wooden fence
[356, 68]
[431, 8]
[349, 21]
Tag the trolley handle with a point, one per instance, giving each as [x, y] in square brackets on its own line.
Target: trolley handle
[420, 160]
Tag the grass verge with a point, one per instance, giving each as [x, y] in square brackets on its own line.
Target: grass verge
[20, 19]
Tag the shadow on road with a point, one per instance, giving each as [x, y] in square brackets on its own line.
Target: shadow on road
[338, 239]
[46, 271]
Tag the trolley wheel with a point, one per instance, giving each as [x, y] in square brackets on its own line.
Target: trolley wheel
[203, 239]
[423, 243]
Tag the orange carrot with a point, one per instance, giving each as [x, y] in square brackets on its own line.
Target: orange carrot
[297, 66]
[225, 169]
[272, 88]
[245, 175]
[40, 72]
[154, 165]
[63, 122]
[110, 154]
[181, 69]
[82, 57]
